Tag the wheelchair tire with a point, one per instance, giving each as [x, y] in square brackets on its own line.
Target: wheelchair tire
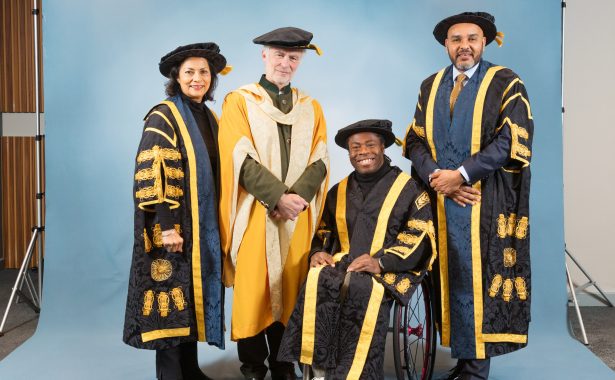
[414, 336]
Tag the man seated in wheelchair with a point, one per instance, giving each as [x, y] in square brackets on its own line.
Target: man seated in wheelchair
[374, 243]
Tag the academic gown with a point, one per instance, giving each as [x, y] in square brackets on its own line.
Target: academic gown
[483, 279]
[345, 333]
[175, 297]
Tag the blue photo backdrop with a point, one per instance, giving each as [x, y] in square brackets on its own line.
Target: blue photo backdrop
[101, 77]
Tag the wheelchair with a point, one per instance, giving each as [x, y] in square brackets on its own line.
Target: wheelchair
[414, 335]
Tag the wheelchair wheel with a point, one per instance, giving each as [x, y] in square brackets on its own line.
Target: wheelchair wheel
[414, 336]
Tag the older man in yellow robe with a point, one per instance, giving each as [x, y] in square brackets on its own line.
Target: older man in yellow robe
[274, 165]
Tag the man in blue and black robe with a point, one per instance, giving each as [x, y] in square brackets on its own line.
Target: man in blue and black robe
[374, 242]
[470, 141]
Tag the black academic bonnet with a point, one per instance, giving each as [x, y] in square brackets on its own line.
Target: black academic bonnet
[207, 50]
[382, 127]
[483, 19]
[288, 37]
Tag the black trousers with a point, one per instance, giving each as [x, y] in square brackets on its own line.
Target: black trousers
[178, 363]
[265, 345]
[473, 369]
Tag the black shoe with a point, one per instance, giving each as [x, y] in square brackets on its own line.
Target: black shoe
[453, 374]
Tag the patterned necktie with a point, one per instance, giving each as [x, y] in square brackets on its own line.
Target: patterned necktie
[456, 90]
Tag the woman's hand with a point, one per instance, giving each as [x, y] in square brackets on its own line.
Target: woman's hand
[172, 241]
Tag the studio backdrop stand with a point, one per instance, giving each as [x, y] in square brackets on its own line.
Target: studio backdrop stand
[23, 276]
[573, 289]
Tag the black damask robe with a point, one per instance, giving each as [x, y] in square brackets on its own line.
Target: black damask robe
[175, 297]
[483, 250]
[345, 333]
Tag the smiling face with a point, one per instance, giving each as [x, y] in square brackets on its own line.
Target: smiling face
[281, 64]
[465, 43]
[366, 152]
[194, 78]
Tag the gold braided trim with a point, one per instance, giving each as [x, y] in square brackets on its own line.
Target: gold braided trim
[173, 173]
[400, 250]
[423, 226]
[148, 192]
[403, 286]
[163, 304]
[510, 257]
[518, 151]
[507, 290]
[422, 200]
[147, 243]
[178, 298]
[150, 173]
[158, 152]
[161, 269]
[409, 239]
[145, 174]
[496, 283]
[148, 302]
[521, 288]
[174, 191]
[389, 278]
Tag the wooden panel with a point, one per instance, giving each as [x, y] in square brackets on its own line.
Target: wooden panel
[18, 181]
[17, 92]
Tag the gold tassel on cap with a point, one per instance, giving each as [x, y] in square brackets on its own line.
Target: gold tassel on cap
[226, 70]
[398, 141]
[499, 38]
[314, 47]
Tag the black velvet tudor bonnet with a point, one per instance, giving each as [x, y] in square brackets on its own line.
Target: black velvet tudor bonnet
[207, 50]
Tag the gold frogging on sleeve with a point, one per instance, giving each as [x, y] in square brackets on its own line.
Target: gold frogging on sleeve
[166, 154]
[178, 298]
[409, 239]
[507, 290]
[163, 304]
[161, 270]
[510, 257]
[521, 288]
[174, 191]
[148, 302]
[496, 283]
[147, 243]
[518, 151]
[148, 192]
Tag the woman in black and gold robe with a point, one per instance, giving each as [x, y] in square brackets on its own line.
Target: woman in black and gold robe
[175, 294]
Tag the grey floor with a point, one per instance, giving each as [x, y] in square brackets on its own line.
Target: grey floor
[22, 321]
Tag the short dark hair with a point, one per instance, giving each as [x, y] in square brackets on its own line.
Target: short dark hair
[172, 88]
